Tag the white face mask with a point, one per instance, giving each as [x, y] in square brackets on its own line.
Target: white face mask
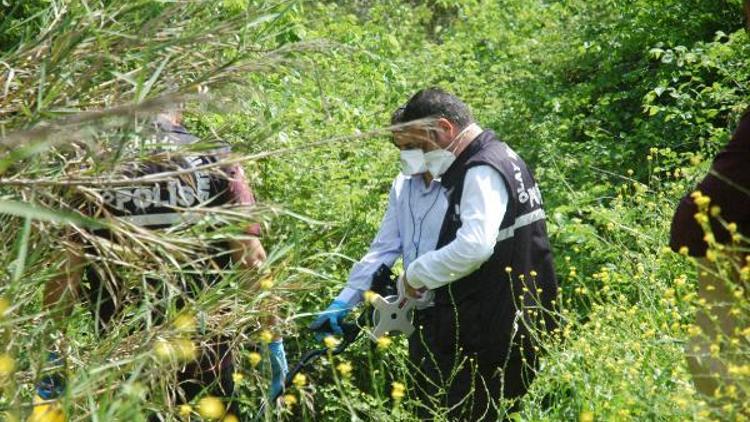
[440, 160]
[412, 162]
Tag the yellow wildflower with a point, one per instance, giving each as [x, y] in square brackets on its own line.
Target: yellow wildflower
[185, 410]
[715, 211]
[230, 418]
[265, 336]
[185, 349]
[684, 250]
[508, 270]
[743, 370]
[184, 322]
[299, 380]
[163, 349]
[714, 349]
[702, 202]
[384, 342]
[237, 377]
[331, 342]
[46, 412]
[254, 358]
[370, 296]
[211, 408]
[694, 330]
[711, 255]
[290, 400]
[586, 416]
[701, 218]
[732, 228]
[398, 390]
[345, 369]
[266, 283]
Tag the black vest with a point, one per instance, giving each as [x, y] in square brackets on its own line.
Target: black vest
[165, 203]
[517, 286]
[157, 205]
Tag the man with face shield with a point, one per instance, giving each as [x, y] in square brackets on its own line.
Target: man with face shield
[469, 225]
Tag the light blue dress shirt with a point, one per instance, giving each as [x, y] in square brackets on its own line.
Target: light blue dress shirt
[411, 227]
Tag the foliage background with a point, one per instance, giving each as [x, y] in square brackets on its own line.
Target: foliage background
[616, 105]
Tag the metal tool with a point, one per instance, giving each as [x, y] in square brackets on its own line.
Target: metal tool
[392, 314]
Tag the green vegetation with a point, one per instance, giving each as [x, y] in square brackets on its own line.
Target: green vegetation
[616, 105]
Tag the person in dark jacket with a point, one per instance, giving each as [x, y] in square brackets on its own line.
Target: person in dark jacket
[466, 216]
[712, 224]
[153, 206]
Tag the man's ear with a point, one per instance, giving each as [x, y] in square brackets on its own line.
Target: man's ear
[446, 128]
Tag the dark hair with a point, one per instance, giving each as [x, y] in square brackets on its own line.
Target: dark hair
[396, 118]
[434, 102]
[398, 115]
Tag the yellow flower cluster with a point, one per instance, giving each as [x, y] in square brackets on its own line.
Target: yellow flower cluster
[370, 296]
[185, 410]
[254, 358]
[345, 369]
[179, 348]
[290, 400]
[702, 201]
[46, 412]
[175, 350]
[384, 342]
[211, 408]
[331, 342]
[740, 370]
[266, 283]
[265, 336]
[299, 380]
[398, 390]
[185, 322]
[237, 377]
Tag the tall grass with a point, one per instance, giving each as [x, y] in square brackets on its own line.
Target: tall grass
[78, 95]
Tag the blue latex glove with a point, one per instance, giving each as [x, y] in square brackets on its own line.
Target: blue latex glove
[334, 314]
[279, 368]
[51, 386]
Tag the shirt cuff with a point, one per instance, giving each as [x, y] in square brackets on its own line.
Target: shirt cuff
[412, 279]
[350, 296]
